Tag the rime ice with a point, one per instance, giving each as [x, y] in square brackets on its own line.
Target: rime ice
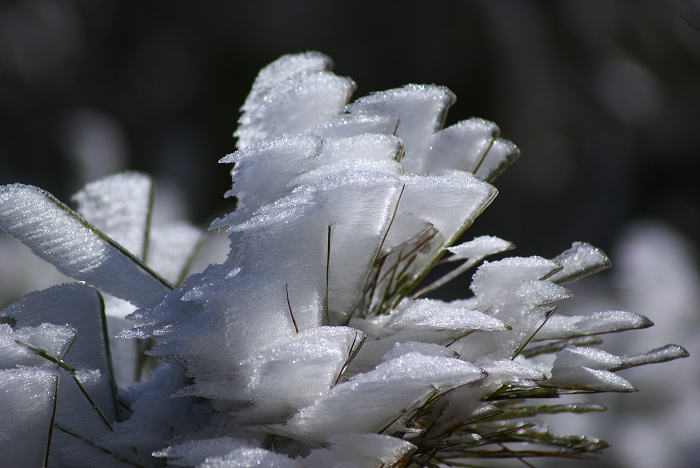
[310, 345]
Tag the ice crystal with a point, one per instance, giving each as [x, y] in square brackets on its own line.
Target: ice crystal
[311, 345]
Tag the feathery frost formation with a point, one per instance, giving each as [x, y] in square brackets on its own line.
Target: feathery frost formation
[311, 345]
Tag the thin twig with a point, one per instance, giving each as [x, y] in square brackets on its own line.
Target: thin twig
[289, 305]
[328, 271]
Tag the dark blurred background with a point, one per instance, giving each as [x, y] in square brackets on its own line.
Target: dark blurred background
[601, 96]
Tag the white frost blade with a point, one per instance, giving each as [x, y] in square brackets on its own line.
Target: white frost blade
[478, 248]
[223, 452]
[28, 397]
[499, 156]
[119, 206]
[561, 326]
[282, 69]
[428, 314]
[295, 104]
[580, 260]
[461, 146]
[421, 110]
[450, 203]
[492, 279]
[360, 450]
[289, 240]
[61, 237]
[590, 380]
[82, 308]
[347, 125]
[375, 400]
[263, 171]
[172, 248]
[290, 376]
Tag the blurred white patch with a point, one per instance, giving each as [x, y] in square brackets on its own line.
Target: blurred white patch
[629, 91]
[94, 141]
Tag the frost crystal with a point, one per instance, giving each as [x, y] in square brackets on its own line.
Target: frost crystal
[311, 345]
